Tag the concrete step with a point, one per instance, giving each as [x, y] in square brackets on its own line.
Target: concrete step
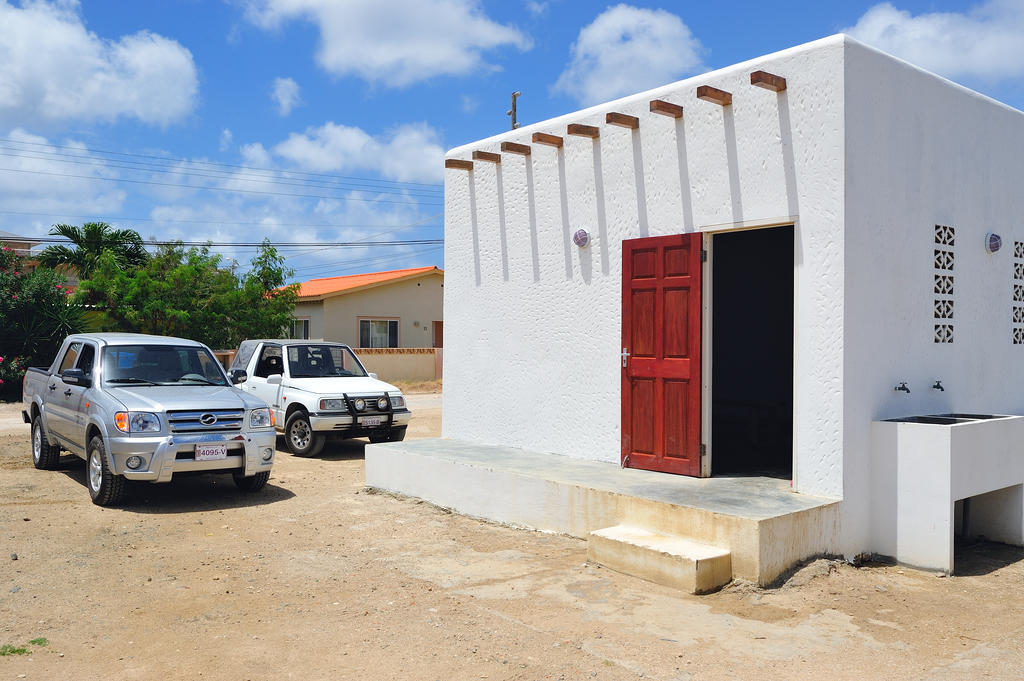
[661, 558]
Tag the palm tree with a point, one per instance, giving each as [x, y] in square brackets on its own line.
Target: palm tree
[90, 241]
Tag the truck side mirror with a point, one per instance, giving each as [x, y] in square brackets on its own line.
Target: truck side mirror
[76, 377]
[274, 379]
[373, 375]
[238, 376]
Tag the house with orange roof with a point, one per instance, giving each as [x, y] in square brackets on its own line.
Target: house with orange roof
[394, 309]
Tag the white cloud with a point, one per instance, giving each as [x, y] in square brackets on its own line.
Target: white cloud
[256, 155]
[52, 69]
[536, 8]
[37, 183]
[409, 153]
[286, 220]
[395, 43]
[985, 42]
[469, 103]
[225, 139]
[286, 95]
[627, 49]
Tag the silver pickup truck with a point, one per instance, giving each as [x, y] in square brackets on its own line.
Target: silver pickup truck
[140, 407]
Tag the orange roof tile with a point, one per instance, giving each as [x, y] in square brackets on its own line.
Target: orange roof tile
[329, 285]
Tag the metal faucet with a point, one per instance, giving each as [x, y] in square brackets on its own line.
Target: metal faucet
[903, 387]
[938, 386]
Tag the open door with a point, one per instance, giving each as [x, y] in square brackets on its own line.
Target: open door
[661, 358]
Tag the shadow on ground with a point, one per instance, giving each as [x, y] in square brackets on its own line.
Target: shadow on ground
[973, 557]
[186, 493]
[335, 449]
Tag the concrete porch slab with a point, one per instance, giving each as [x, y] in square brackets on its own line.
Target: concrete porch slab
[766, 527]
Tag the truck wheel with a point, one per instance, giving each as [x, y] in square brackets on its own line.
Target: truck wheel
[105, 488]
[396, 435]
[302, 439]
[252, 483]
[44, 455]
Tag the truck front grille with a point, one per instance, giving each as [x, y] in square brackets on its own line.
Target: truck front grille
[203, 421]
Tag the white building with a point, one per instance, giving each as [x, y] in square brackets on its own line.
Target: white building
[843, 208]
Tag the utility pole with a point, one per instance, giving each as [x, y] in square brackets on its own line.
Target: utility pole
[512, 112]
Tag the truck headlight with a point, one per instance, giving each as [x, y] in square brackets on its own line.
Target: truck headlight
[397, 401]
[333, 405]
[260, 418]
[359, 403]
[137, 422]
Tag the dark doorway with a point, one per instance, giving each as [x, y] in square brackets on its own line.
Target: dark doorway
[752, 353]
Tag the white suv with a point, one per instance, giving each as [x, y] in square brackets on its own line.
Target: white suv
[317, 389]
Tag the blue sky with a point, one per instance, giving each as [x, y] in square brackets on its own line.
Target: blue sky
[325, 121]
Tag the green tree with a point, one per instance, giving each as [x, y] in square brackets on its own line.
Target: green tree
[36, 313]
[91, 241]
[189, 293]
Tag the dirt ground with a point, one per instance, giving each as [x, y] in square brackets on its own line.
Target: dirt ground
[317, 579]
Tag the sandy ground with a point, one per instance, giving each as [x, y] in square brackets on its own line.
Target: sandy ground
[317, 579]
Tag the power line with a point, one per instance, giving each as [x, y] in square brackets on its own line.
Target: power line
[256, 244]
[214, 163]
[357, 263]
[217, 189]
[110, 219]
[223, 175]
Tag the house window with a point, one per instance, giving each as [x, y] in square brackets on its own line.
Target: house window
[300, 329]
[378, 333]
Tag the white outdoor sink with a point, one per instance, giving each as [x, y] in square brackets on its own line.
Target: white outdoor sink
[922, 465]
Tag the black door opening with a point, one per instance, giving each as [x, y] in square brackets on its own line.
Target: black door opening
[752, 353]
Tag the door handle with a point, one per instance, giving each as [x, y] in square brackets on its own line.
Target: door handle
[53, 387]
[625, 357]
[67, 393]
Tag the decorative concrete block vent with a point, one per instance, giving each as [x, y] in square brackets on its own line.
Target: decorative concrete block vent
[1018, 293]
[945, 240]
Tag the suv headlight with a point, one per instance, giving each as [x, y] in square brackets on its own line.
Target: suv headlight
[397, 401]
[334, 405]
[137, 422]
[261, 418]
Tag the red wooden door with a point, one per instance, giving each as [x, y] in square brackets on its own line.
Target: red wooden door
[661, 388]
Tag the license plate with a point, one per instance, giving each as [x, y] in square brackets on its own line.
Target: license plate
[371, 421]
[211, 452]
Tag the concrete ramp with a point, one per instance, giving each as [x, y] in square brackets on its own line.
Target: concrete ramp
[760, 522]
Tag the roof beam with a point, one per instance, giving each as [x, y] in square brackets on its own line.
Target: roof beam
[548, 140]
[660, 106]
[458, 164]
[591, 131]
[769, 81]
[490, 157]
[513, 148]
[622, 120]
[714, 95]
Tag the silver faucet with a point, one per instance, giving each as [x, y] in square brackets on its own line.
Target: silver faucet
[902, 387]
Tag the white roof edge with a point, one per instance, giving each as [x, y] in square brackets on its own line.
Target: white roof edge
[699, 79]
[842, 39]
[857, 44]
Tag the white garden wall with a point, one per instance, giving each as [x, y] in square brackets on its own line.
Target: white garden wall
[533, 322]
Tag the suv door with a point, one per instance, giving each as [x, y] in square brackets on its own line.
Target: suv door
[269, 363]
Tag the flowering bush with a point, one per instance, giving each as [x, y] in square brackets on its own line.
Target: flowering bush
[36, 314]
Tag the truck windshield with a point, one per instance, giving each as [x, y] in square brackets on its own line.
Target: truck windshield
[161, 365]
[318, 361]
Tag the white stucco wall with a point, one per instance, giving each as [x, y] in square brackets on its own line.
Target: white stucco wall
[533, 323]
[922, 151]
